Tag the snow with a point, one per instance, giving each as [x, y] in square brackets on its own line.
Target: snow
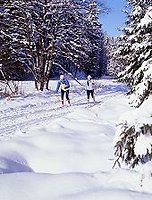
[141, 116]
[142, 87]
[146, 20]
[48, 152]
[143, 144]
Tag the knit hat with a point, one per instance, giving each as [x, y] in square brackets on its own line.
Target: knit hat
[61, 77]
[89, 77]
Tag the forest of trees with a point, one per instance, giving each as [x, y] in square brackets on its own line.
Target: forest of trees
[40, 36]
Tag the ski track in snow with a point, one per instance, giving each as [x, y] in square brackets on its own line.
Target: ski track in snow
[23, 116]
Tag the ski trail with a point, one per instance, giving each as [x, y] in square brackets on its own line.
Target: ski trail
[25, 116]
[26, 112]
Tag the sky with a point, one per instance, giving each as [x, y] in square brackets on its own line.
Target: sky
[115, 18]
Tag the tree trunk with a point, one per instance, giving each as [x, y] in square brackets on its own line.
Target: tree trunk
[42, 83]
[48, 79]
[47, 83]
[36, 84]
[48, 71]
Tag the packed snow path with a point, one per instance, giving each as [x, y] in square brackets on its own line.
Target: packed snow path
[38, 108]
[53, 153]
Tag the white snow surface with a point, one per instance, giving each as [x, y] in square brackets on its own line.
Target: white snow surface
[53, 153]
[147, 18]
[137, 118]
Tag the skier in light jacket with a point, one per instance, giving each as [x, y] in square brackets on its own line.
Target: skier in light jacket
[65, 85]
[90, 86]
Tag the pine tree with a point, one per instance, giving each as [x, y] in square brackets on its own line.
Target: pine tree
[134, 133]
[12, 40]
[115, 62]
[137, 51]
[97, 63]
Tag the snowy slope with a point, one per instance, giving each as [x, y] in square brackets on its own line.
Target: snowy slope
[53, 153]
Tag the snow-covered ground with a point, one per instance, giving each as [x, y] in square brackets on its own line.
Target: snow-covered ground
[53, 153]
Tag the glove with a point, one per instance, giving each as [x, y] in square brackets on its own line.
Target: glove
[63, 87]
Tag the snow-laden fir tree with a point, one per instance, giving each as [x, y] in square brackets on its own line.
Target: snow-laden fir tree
[97, 62]
[137, 51]
[134, 133]
[115, 63]
[12, 38]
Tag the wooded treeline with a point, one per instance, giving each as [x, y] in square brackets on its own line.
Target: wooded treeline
[38, 36]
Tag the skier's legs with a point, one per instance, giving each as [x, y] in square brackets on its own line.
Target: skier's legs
[67, 96]
[92, 95]
[88, 95]
[62, 97]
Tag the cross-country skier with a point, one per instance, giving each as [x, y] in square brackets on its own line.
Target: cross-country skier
[90, 86]
[65, 85]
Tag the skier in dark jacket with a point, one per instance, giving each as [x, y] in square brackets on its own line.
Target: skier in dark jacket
[65, 85]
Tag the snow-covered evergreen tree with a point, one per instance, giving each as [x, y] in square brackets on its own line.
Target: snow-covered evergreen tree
[115, 63]
[133, 139]
[97, 62]
[134, 133]
[137, 51]
[12, 36]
